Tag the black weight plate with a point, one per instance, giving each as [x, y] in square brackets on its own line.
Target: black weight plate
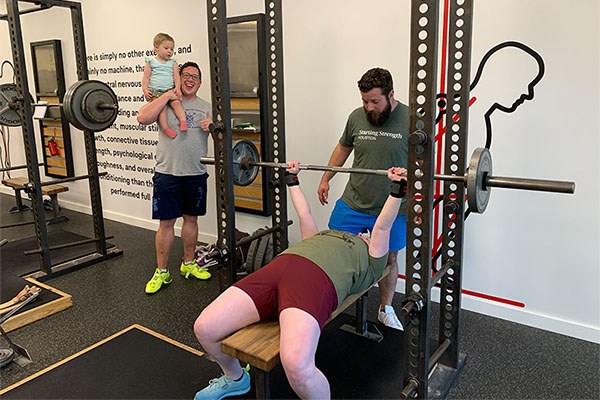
[8, 116]
[6, 356]
[81, 102]
[261, 252]
[251, 256]
[68, 108]
[244, 148]
[91, 106]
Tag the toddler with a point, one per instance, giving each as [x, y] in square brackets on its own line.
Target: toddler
[161, 74]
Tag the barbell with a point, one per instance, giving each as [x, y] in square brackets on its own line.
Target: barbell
[88, 105]
[478, 179]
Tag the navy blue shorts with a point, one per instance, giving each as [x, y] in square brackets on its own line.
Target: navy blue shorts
[343, 218]
[175, 196]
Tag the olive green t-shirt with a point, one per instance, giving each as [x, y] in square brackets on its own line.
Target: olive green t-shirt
[375, 147]
[344, 257]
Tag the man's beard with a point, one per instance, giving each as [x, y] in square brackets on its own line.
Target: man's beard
[379, 118]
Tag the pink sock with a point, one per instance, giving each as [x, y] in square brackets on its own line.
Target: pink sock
[169, 132]
[183, 125]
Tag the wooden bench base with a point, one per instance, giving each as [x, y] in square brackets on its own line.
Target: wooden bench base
[49, 190]
[258, 344]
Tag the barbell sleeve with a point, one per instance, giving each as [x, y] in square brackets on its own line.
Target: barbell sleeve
[102, 106]
[531, 184]
[541, 185]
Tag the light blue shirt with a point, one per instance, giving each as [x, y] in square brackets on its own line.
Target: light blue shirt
[161, 77]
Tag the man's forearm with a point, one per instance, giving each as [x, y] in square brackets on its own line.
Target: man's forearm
[150, 111]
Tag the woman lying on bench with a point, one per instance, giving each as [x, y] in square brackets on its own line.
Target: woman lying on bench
[302, 286]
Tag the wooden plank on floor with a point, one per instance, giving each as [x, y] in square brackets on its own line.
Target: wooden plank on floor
[42, 311]
[98, 374]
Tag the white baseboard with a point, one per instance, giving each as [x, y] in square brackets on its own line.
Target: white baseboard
[521, 316]
[149, 224]
[126, 219]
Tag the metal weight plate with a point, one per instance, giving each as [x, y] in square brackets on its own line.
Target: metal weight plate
[92, 101]
[251, 256]
[244, 148]
[480, 167]
[82, 106]
[68, 108]
[6, 356]
[8, 116]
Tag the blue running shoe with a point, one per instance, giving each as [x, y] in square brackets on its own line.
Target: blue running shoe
[222, 387]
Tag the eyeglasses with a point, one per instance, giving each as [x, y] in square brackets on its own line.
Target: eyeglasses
[185, 75]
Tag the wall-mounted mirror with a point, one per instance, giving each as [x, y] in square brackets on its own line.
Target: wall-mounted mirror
[245, 37]
[55, 133]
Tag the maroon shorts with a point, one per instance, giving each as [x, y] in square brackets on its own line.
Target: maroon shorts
[291, 281]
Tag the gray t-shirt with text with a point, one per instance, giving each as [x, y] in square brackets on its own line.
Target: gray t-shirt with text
[375, 147]
[180, 156]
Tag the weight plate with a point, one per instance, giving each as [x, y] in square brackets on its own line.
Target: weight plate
[81, 105]
[251, 256]
[261, 252]
[92, 102]
[480, 167]
[6, 356]
[241, 176]
[8, 116]
[68, 108]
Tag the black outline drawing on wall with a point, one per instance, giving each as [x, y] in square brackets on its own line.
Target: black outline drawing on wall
[525, 96]
[441, 97]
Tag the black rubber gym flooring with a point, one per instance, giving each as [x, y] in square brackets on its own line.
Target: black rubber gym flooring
[13, 259]
[505, 360]
[139, 364]
[133, 364]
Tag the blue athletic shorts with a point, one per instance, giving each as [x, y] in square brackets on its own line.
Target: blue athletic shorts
[175, 196]
[344, 218]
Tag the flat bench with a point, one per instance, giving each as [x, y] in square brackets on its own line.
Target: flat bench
[258, 344]
[49, 190]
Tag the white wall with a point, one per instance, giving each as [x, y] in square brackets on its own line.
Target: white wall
[533, 248]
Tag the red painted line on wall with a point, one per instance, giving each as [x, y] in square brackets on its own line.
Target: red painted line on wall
[494, 298]
[497, 299]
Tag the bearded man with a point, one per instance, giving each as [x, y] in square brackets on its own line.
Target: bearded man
[377, 132]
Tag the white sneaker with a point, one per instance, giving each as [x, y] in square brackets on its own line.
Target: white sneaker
[389, 318]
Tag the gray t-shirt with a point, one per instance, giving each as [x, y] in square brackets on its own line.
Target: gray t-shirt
[375, 147]
[345, 258]
[180, 156]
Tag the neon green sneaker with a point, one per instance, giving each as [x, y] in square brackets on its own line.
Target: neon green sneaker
[158, 279]
[195, 270]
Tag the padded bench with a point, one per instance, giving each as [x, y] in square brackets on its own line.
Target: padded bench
[258, 344]
[50, 190]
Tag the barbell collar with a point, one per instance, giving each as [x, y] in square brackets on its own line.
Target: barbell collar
[412, 386]
[216, 127]
[417, 138]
